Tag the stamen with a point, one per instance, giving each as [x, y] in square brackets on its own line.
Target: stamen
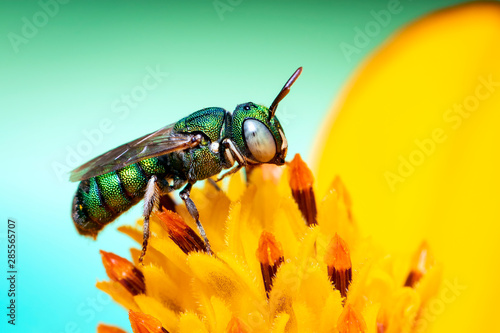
[301, 182]
[143, 323]
[123, 271]
[270, 255]
[166, 203]
[102, 328]
[236, 326]
[180, 232]
[420, 264]
[351, 321]
[338, 259]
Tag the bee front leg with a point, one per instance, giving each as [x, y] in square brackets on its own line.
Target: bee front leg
[151, 200]
[194, 213]
[230, 172]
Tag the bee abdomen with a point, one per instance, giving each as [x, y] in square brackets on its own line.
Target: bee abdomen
[133, 180]
[89, 212]
[100, 200]
[114, 197]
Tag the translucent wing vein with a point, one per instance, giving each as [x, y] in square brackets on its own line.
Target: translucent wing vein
[161, 142]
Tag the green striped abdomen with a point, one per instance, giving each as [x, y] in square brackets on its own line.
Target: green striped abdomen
[100, 200]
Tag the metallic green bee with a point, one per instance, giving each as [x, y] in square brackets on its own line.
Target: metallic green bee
[196, 147]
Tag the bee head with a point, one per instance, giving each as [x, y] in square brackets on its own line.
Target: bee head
[259, 137]
[258, 133]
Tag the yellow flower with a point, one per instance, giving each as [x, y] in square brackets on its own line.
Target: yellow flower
[416, 136]
[416, 139]
[282, 263]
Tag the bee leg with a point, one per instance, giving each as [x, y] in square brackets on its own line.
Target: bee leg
[214, 184]
[150, 202]
[230, 172]
[194, 213]
[232, 154]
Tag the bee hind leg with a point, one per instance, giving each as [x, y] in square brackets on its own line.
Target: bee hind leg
[151, 200]
[191, 207]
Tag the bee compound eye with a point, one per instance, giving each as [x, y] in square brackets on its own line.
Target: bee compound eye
[259, 140]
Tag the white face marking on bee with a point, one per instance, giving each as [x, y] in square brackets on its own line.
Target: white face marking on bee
[214, 147]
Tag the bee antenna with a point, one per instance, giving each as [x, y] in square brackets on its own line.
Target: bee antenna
[284, 91]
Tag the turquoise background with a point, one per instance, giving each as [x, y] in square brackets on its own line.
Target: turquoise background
[66, 70]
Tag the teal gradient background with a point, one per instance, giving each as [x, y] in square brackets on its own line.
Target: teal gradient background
[68, 79]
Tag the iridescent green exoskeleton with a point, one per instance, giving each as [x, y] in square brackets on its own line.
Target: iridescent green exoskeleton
[196, 147]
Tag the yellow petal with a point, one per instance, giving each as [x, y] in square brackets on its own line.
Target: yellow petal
[305, 318]
[280, 322]
[170, 289]
[285, 289]
[403, 310]
[398, 121]
[315, 296]
[224, 280]
[430, 284]
[370, 316]
[152, 255]
[330, 313]
[191, 323]
[222, 314]
[119, 294]
[239, 223]
[153, 307]
[334, 217]
[236, 186]
[288, 226]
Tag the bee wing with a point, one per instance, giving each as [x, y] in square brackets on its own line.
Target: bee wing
[158, 143]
